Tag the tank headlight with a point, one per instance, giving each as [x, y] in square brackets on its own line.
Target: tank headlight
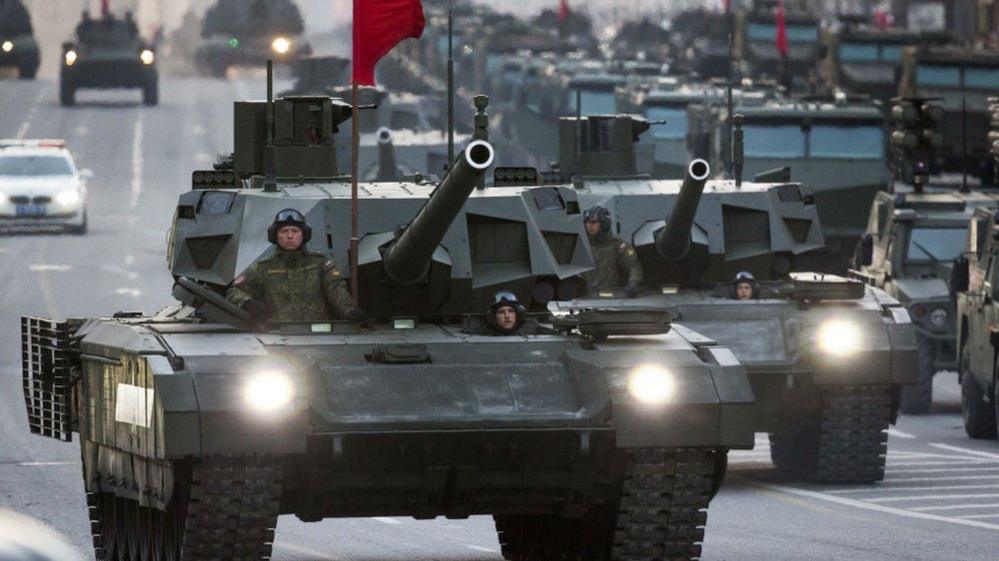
[938, 317]
[147, 57]
[70, 57]
[7, 46]
[281, 45]
[651, 384]
[268, 391]
[839, 337]
[68, 198]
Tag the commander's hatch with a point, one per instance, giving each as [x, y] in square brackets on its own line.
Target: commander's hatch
[593, 320]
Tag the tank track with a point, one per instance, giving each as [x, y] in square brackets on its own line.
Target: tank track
[233, 509]
[853, 439]
[660, 516]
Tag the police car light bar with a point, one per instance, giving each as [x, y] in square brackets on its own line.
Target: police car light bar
[33, 143]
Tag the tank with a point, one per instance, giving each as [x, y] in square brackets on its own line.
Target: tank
[107, 52]
[582, 431]
[756, 46]
[826, 356]
[18, 47]
[231, 35]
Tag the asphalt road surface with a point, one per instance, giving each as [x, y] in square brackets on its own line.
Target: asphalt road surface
[939, 501]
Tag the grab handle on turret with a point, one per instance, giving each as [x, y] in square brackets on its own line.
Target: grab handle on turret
[673, 242]
[407, 260]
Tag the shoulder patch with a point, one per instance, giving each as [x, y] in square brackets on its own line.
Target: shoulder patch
[330, 267]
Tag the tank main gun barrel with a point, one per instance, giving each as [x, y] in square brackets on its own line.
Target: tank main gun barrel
[387, 168]
[673, 241]
[408, 259]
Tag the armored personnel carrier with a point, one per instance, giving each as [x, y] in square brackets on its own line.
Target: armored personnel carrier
[836, 146]
[247, 33]
[108, 53]
[601, 431]
[827, 357]
[18, 47]
[961, 79]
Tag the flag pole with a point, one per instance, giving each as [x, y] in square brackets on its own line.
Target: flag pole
[450, 84]
[355, 143]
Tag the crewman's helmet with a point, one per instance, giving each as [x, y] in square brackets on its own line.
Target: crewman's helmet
[598, 213]
[289, 217]
[501, 299]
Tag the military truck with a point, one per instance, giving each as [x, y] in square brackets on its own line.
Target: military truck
[247, 33]
[961, 79]
[108, 53]
[827, 357]
[18, 47]
[582, 434]
[836, 146]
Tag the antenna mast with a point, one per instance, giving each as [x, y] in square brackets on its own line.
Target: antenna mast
[450, 83]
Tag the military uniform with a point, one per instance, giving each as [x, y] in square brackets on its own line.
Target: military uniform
[299, 285]
[610, 256]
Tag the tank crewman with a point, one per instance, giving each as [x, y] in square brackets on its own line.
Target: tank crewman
[506, 314]
[293, 284]
[744, 286]
[611, 255]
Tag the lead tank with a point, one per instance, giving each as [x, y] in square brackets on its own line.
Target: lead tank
[826, 356]
[581, 433]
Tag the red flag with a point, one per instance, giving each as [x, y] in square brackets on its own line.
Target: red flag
[563, 10]
[728, 5]
[781, 30]
[379, 25]
[104, 8]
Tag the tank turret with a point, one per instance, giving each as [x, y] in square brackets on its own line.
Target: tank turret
[673, 242]
[407, 259]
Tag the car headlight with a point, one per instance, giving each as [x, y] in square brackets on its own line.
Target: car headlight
[268, 391]
[68, 198]
[281, 45]
[147, 57]
[70, 57]
[7, 46]
[839, 337]
[938, 317]
[651, 384]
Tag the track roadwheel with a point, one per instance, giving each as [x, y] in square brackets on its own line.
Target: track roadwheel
[917, 399]
[979, 418]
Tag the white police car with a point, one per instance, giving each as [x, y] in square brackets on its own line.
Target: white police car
[40, 187]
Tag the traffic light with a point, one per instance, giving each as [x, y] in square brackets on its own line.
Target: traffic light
[994, 135]
[914, 139]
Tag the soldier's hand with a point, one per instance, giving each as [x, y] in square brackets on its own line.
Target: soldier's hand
[258, 309]
[359, 317]
[631, 289]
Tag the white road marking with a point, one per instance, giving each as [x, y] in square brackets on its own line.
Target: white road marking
[953, 507]
[199, 130]
[892, 431]
[304, 550]
[81, 131]
[878, 508]
[940, 463]
[126, 291]
[43, 267]
[925, 488]
[23, 131]
[943, 470]
[44, 464]
[977, 516]
[950, 448]
[482, 549]
[137, 162]
[943, 478]
[385, 520]
[928, 498]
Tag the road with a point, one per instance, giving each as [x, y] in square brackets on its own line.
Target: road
[940, 499]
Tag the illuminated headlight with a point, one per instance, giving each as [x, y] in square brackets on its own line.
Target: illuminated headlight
[938, 317]
[70, 58]
[281, 45]
[838, 337]
[7, 46]
[268, 391]
[147, 57]
[651, 384]
[68, 198]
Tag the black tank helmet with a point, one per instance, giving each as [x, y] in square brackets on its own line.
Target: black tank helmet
[501, 299]
[289, 217]
[743, 277]
[597, 212]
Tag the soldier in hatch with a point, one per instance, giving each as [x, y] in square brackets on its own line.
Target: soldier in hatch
[744, 286]
[293, 284]
[506, 314]
[611, 256]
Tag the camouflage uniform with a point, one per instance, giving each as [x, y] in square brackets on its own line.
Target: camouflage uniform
[611, 255]
[298, 285]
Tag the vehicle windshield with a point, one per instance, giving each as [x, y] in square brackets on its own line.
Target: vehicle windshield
[795, 33]
[676, 121]
[835, 141]
[25, 166]
[891, 53]
[592, 102]
[941, 245]
[774, 141]
[858, 52]
[936, 75]
[982, 78]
